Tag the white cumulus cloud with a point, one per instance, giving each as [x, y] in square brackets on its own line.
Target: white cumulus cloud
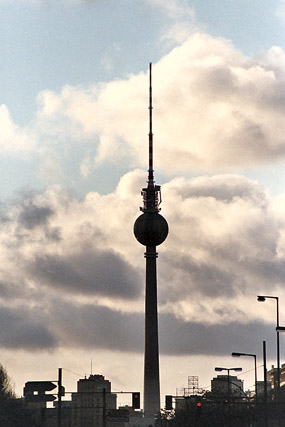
[214, 110]
[13, 138]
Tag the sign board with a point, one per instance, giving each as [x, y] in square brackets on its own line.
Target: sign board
[39, 386]
[35, 391]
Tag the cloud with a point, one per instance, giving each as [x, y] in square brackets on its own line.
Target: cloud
[33, 216]
[174, 9]
[100, 272]
[73, 263]
[92, 326]
[114, 330]
[12, 137]
[224, 245]
[22, 329]
[95, 327]
[70, 246]
[214, 109]
[180, 338]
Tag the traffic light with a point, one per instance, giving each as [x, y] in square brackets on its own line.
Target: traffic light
[168, 402]
[198, 408]
[136, 400]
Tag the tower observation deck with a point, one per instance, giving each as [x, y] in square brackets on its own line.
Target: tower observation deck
[151, 229]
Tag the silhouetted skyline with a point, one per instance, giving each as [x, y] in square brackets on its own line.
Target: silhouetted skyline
[74, 95]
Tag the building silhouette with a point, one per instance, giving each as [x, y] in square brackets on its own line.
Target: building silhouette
[91, 402]
[272, 376]
[227, 384]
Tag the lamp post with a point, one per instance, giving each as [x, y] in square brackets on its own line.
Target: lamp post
[217, 369]
[262, 298]
[255, 368]
[265, 385]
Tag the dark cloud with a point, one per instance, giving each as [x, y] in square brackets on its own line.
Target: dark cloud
[32, 216]
[89, 271]
[53, 233]
[22, 328]
[90, 326]
[224, 188]
[11, 291]
[182, 338]
[196, 278]
[229, 273]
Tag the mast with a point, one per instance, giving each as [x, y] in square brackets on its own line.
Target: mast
[150, 135]
[151, 194]
[151, 229]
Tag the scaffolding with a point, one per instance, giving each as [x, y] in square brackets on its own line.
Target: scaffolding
[192, 389]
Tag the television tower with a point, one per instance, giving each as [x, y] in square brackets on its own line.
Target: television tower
[151, 229]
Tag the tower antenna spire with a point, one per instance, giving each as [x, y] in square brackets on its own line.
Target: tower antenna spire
[150, 135]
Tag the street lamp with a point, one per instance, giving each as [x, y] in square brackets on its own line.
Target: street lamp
[234, 354]
[228, 371]
[262, 298]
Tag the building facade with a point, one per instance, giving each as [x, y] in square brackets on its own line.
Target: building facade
[91, 402]
[227, 385]
[272, 376]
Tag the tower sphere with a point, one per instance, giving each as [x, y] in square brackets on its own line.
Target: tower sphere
[151, 229]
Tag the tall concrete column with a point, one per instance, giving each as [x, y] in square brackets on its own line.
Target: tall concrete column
[151, 355]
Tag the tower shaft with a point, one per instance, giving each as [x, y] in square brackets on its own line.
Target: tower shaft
[151, 355]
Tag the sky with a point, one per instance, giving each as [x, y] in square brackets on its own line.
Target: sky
[73, 160]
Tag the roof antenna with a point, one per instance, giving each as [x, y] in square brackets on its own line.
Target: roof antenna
[151, 194]
[150, 135]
